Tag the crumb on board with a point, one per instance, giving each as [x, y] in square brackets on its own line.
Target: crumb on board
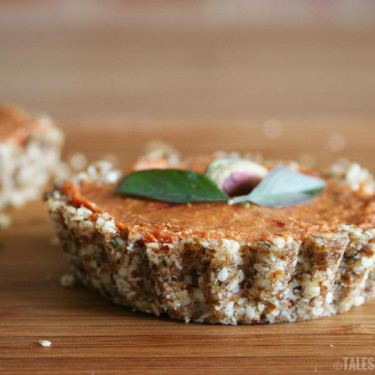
[45, 343]
[67, 280]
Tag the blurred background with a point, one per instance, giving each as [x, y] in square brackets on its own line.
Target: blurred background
[292, 78]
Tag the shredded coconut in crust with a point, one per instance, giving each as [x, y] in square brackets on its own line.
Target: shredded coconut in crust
[223, 281]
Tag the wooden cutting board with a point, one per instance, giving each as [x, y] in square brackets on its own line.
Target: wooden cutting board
[92, 336]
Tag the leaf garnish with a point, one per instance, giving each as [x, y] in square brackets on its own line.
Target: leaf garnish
[170, 185]
[283, 187]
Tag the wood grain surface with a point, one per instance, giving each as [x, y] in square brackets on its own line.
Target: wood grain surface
[91, 336]
[144, 71]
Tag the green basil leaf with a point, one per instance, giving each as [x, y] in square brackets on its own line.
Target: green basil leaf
[283, 187]
[170, 185]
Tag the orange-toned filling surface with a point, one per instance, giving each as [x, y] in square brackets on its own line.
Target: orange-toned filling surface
[170, 222]
[15, 125]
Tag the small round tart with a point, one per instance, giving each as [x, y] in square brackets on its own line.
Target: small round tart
[216, 262]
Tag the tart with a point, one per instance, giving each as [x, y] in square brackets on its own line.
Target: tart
[29, 153]
[216, 262]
